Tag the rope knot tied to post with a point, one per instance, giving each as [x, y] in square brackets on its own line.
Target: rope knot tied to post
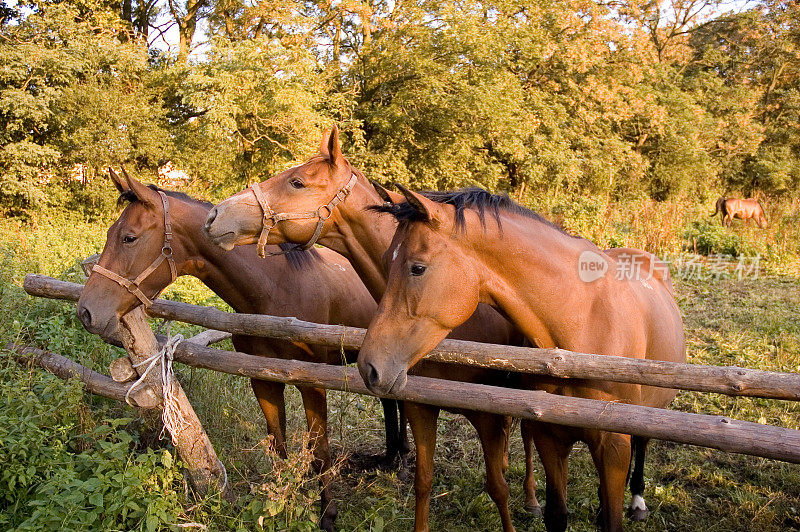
[171, 416]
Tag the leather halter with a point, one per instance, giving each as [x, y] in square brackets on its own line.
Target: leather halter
[271, 218]
[132, 286]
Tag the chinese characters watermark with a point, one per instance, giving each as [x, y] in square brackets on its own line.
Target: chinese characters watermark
[689, 266]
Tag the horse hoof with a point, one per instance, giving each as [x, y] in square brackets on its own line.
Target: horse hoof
[326, 524]
[533, 509]
[404, 474]
[388, 462]
[637, 514]
[327, 521]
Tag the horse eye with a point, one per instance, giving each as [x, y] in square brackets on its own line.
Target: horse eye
[418, 269]
[127, 239]
[296, 183]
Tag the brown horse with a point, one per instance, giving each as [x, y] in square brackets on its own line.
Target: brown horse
[469, 247]
[318, 286]
[363, 236]
[745, 209]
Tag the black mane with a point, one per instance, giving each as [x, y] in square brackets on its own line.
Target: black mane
[130, 196]
[298, 259]
[466, 198]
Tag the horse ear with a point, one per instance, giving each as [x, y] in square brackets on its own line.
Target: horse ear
[122, 187]
[145, 194]
[330, 148]
[386, 195]
[425, 207]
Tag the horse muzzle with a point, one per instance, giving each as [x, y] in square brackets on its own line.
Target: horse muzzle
[384, 381]
[229, 228]
[102, 324]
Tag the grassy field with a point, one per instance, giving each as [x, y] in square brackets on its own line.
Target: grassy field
[69, 456]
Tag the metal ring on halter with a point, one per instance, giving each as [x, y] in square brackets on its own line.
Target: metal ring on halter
[132, 285]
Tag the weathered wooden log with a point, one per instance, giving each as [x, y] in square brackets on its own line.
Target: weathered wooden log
[716, 432]
[191, 441]
[121, 370]
[709, 431]
[728, 380]
[209, 337]
[94, 382]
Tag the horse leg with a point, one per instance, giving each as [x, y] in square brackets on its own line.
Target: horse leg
[638, 509]
[554, 444]
[507, 423]
[531, 502]
[405, 445]
[314, 401]
[392, 427]
[422, 419]
[611, 453]
[493, 432]
[270, 399]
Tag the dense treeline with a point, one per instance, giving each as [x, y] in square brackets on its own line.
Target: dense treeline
[626, 99]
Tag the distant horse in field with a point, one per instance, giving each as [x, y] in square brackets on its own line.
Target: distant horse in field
[162, 229]
[745, 209]
[454, 250]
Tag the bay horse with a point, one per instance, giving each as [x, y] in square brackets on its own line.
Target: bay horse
[744, 209]
[316, 285]
[359, 233]
[453, 251]
[363, 236]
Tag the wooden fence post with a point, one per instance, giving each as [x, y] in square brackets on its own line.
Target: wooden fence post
[206, 472]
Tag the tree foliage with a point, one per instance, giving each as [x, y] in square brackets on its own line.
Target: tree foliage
[622, 99]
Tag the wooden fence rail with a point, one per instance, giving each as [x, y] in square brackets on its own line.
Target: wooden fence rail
[729, 380]
[94, 382]
[695, 429]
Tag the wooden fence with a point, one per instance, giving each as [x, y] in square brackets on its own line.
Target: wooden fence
[697, 429]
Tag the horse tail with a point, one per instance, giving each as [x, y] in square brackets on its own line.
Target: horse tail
[717, 207]
[763, 216]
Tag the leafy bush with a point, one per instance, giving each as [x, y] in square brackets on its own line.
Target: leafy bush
[287, 497]
[712, 239]
[66, 469]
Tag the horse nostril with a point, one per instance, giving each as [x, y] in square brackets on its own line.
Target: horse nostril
[212, 214]
[371, 374]
[84, 315]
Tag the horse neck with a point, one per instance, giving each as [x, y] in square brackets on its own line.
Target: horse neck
[362, 236]
[229, 274]
[528, 249]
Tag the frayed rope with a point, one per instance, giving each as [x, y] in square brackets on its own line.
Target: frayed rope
[171, 416]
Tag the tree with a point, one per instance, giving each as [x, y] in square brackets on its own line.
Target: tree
[72, 92]
[258, 102]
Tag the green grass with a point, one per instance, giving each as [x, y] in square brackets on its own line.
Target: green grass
[751, 323]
